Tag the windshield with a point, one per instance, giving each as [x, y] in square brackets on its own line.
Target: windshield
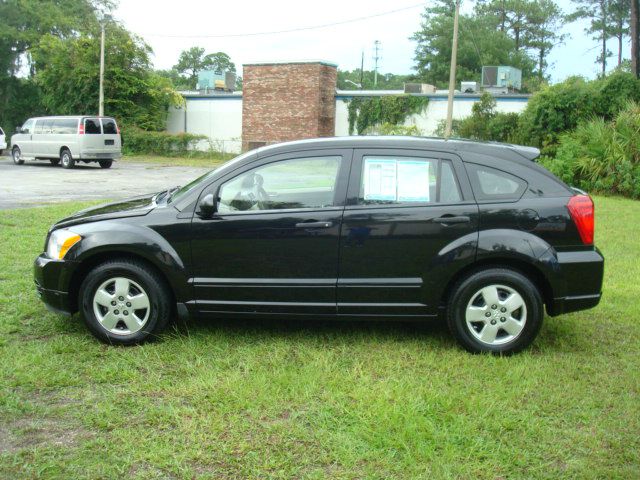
[204, 179]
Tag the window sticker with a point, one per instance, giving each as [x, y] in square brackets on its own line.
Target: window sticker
[379, 179]
[413, 181]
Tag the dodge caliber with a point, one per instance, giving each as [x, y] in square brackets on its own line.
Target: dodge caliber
[477, 235]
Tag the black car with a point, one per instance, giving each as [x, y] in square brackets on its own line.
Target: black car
[356, 227]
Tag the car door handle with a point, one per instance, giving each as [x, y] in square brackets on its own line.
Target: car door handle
[450, 220]
[314, 224]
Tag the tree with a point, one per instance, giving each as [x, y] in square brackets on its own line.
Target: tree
[22, 24]
[350, 79]
[68, 78]
[545, 20]
[620, 22]
[479, 43]
[193, 61]
[635, 37]
[598, 12]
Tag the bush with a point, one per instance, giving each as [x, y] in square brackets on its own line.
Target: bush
[391, 129]
[601, 155]
[141, 142]
[485, 123]
[367, 113]
[559, 108]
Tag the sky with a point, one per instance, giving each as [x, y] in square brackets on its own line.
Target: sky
[170, 27]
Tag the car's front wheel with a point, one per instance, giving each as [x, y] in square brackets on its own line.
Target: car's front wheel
[496, 310]
[124, 302]
[105, 163]
[17, 156]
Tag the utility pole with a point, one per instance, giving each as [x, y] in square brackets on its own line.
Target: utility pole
[452, 72]
[362, 69]
[635, 37]
[376, 57]
[101, 101]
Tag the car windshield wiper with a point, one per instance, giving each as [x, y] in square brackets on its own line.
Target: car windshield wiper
[164, 194]
[171, 192]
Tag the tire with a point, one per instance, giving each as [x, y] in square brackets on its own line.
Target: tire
[123, 323]
[105, 163]
[54, 161]
[67, 159]
[17, 156]
[508, 328]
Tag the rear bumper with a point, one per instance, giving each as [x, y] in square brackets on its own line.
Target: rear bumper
[100, 155]
[52, 278]
[580, 286]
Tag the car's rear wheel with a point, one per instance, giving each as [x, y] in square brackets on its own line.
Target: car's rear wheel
[497, 310]
[67, 159]
[105, 163]
[54, 161]
[17, 156]
[124, 302]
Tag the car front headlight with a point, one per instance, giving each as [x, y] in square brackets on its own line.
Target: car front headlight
[60, 241]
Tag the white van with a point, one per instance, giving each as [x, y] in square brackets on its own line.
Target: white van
[67, 140]
[3, 142]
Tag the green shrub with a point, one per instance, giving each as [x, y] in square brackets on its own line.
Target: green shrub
[601, 155]
[560, 108]
[391, 129]
[485, 123]
[366, 113]
[141, 142]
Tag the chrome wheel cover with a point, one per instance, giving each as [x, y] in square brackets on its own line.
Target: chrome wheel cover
[65, 159]
[121, 306]
[16, 155]
[496, 315]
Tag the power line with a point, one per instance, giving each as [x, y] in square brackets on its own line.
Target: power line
[291, 30]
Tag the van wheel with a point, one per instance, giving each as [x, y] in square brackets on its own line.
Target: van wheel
[105, 163]
[17, 156]
[54, 161]
[495, 310]
[66, 159]
[124, 302]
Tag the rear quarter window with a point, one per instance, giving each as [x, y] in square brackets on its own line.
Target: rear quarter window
[492, 184]
[109, 126]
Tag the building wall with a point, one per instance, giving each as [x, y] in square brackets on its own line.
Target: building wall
[289, 101]
[219, 117]
[436, 111]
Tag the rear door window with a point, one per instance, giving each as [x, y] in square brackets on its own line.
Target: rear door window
[492, 184]
[402, 180]
[109, 126]
[92, 126]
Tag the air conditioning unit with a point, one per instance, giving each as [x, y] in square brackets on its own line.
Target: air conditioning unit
[469, 87]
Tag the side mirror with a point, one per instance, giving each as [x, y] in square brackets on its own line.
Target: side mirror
[207, 206]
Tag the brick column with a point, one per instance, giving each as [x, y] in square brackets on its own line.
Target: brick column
[287, 101]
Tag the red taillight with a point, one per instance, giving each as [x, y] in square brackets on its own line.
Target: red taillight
[583, 214]
[81, 129]
[117, 129]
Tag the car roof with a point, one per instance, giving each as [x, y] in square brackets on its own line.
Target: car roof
[502, 150]
[70, 116]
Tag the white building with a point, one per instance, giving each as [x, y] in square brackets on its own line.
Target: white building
[219, 116]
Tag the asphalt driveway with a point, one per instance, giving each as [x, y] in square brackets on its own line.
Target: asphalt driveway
[38, 183]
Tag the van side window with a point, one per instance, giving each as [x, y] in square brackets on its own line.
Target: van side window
[109, 126]
[92, 126]
[65, 126]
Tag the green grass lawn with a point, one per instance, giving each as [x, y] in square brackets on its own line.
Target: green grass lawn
[311, 400]
[209, 160]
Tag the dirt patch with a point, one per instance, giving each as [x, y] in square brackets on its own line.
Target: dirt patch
[29, 433]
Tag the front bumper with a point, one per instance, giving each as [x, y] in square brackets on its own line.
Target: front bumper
[52, 279]
[582, 274]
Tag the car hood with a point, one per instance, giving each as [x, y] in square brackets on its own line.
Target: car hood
[131, 207]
